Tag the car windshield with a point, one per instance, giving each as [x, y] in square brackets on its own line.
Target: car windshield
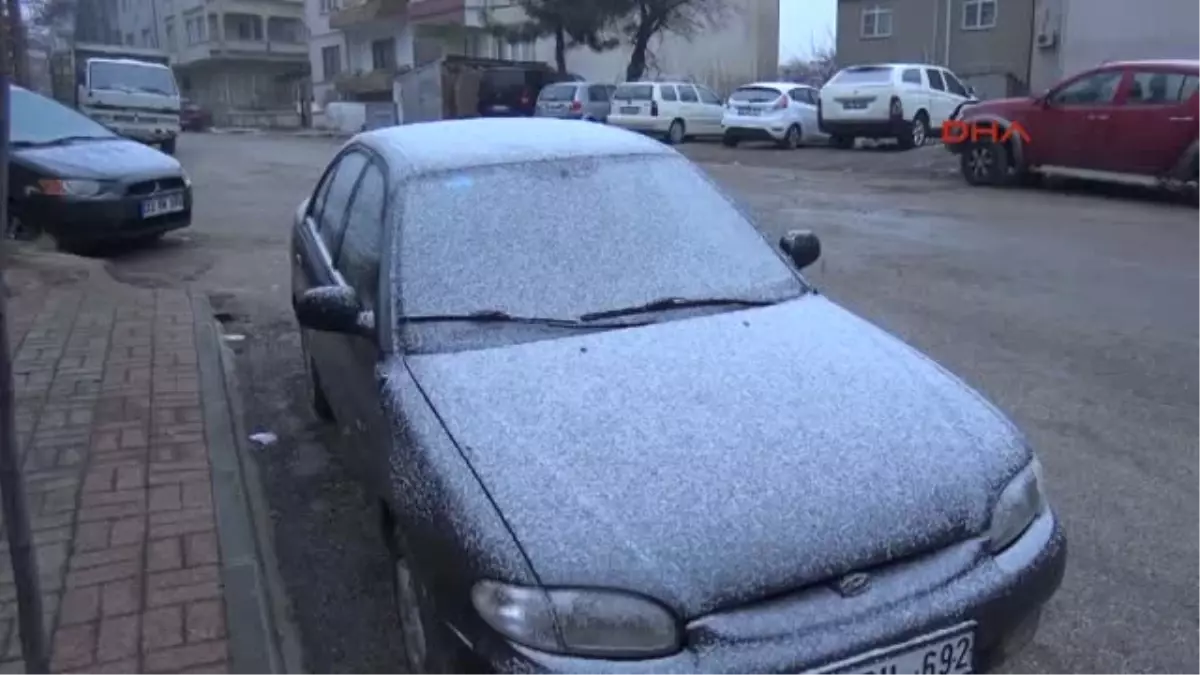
[558, 92]
[137, 77]
[865, 75]
[564, 238]
[634, 92]
[755, 95]
[36, 119]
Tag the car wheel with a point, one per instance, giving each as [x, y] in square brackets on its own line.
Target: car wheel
[985, 163]
[791, 140]
[729, 141]
[918, 132]
[320, 404]
[426, 648]
[842, 142]
[676, 133]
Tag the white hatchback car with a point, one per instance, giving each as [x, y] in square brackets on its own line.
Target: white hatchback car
[674, 111]
[782, 112]
[905, 101]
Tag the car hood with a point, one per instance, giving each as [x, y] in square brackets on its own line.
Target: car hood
[711, 461]
[100, 160]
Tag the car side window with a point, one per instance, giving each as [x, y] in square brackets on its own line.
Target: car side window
[358, 257]
[935, 79]
[687, 94]
[598, 92]
[707, 96]
[911, 76]
[333, 211]
[1159, 88]
[957, 88]
[1093, 89]
[318, 200]
[668, 92]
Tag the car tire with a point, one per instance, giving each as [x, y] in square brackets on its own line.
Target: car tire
[918, 132]
[729, 141]
[168, 146]
[842, 142]
[985, 163]
[791, 139]
[427, 647]
[676, 132]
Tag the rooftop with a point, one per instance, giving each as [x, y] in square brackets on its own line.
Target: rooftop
[429, 147]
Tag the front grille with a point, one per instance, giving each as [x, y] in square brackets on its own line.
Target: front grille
[149, 187]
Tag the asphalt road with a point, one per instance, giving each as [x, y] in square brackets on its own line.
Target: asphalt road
[1075, 312]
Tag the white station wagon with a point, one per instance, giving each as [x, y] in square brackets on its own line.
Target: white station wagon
[673, 111]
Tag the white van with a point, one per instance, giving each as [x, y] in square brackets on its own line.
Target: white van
[674, 111]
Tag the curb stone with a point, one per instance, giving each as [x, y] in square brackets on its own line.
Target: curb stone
[262, 638]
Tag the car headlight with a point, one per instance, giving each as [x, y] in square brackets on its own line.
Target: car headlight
[1020, 502]
[73, 187]
[187, 180]
[581, 622]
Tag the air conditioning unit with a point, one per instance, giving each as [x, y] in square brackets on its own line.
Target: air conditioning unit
[1047, 39]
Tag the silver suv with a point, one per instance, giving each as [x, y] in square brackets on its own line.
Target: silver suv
[575, 100]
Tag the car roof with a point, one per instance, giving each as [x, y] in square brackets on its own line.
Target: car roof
[782, 86]
[1167, 63]
[893, 65]
[428, 147]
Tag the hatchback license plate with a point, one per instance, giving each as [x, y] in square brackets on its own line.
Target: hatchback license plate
[630, 110]
[947, 651]
[162, 205]
[747, 111]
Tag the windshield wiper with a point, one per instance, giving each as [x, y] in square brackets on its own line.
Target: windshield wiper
[673, 303]
[63, 140]
[500, 316]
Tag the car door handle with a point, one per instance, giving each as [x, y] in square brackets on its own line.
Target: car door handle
[1182, 119]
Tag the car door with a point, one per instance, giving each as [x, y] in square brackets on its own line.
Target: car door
[711, 109]
[1070, 126]
[940, 105]
[1153, 121]
[803, 104]
[316, 244]
[690, 109]
[356, 389]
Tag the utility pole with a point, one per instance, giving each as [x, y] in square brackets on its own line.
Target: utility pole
[17, 41]
[12, 483]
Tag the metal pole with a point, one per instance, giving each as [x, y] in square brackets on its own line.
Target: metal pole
[12, 484]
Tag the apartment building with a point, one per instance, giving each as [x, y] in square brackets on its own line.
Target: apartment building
[988, 43]
[245, 60]
[357, 46]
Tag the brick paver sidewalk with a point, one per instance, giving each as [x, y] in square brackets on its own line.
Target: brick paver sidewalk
[117, 466]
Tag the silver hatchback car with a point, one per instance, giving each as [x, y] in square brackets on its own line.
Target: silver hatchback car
[575, 100]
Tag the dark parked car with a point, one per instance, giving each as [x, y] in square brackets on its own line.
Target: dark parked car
[612, 429]
[193, 116]
[82, 184]
[512, 91]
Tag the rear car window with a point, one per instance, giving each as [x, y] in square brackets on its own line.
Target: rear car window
[864, 75]
[1150, 87]
[754, 95]
[634, 92]
[667, 92]
[558, 92]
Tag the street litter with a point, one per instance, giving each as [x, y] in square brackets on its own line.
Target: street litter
[264, 438]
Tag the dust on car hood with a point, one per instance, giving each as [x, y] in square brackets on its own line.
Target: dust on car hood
[100, 159]
[710, 461]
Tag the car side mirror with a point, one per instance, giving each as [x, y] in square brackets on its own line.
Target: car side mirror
[334, 309]
[802, 246]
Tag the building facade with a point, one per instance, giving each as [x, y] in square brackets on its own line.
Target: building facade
[245, 60]
[987, 43]
[357, 46]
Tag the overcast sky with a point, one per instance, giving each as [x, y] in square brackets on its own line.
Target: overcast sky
[803, 23]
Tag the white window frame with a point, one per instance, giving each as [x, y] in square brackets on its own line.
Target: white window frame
[876, 12]
[979, 5]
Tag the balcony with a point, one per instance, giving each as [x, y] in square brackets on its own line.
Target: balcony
[375, 81]
[438, 11]
[357, 12]
[259, 50]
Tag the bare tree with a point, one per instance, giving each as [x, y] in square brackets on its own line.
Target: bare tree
[571, 23]
[645, 19]
[815, 70]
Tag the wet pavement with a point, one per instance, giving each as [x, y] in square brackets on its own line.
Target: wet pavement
[1075, 312]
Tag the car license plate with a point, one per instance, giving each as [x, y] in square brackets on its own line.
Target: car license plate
[747, 111]
[162, 205]
[855, 105]
[947, 651]
[630, 110]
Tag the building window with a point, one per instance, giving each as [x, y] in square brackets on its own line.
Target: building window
[169, 28]
[383, 54]
[195, 29]
[285, 29]
[146, 38]
[876, 22]
[979, 14]
[328, 6]
[214, 27]
[331, 61]
[243, 27]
